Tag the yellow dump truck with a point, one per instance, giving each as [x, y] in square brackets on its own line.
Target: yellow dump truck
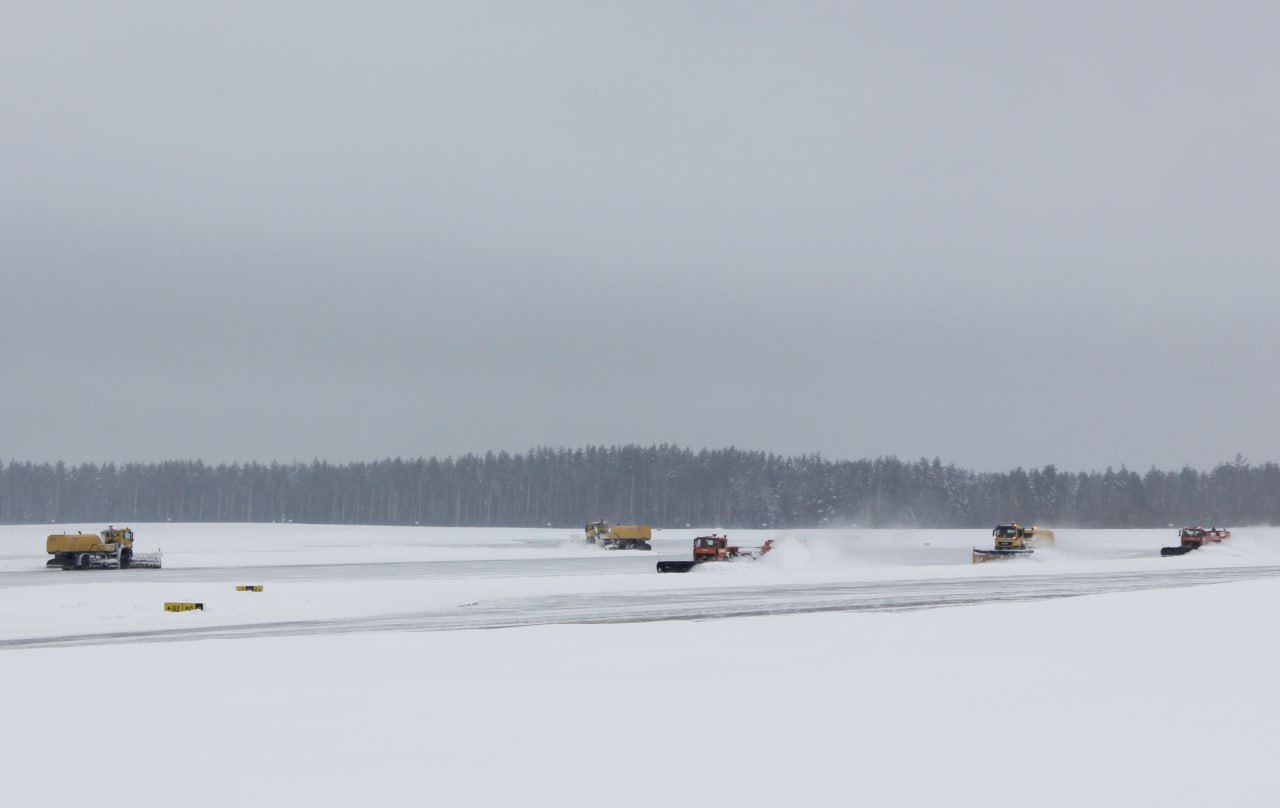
[110, 549]
[619, 537]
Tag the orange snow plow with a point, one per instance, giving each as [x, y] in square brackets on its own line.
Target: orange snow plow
[1192, 538]
[715, 548]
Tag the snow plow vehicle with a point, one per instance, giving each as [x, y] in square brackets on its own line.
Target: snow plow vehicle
[112, 549]
[1011, 541]
[619, 537]
[1192, 538]
[715, 548]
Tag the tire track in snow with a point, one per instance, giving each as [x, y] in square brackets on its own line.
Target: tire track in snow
[704, 604]
[610, 564]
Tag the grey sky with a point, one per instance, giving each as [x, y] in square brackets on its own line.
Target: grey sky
[999, 233]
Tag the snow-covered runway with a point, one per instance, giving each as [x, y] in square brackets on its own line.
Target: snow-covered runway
[355, 676]
[327, 580]
[692, 604]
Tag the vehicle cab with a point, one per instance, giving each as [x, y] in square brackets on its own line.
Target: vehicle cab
[1192, 535]
[1009, 537]
[709, 548]
[117, 535]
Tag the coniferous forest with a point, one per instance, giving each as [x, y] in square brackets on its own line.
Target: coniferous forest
[665, 486]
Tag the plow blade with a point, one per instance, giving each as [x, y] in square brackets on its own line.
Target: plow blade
[145, 561]
[983, 556]
[676, 566]
[1181, 549]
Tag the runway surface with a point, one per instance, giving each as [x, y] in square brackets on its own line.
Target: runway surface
[628, 606]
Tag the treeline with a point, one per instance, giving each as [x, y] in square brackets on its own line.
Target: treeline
[665, 486]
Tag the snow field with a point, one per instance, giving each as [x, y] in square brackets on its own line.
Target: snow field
[1149, 698]
[108, 601]
[1162, 697]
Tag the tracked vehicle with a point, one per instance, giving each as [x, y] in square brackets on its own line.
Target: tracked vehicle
[1193, 538]
[715, 548]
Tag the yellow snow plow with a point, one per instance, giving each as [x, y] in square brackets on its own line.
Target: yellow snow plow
[1013, 540]
[111, 549]
[619, 537]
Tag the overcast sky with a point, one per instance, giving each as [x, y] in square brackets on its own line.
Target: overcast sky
[998, 233]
